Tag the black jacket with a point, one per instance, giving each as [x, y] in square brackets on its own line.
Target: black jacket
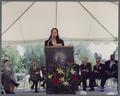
[100, 68]
[114, 67]
[85, 67]
[33, 75]
[49, 43]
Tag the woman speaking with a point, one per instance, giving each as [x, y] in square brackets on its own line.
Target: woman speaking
[54, 39]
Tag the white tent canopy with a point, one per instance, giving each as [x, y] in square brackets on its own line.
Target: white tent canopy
[28, 21]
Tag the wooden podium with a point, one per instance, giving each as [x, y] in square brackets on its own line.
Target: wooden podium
[58, 65]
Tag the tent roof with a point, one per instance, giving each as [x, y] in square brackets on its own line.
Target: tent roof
[28, 21]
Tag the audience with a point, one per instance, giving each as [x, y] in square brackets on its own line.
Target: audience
[100, 71]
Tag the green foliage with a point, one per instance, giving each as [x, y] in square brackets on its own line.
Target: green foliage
[21, 64]
[82, 50]
[12, 54]
[33, 52]
[36, 52]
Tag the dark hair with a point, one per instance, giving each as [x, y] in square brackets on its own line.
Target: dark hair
[6, 61]
[57, 37]
[112, 55]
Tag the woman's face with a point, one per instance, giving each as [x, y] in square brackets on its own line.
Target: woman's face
[54, 33]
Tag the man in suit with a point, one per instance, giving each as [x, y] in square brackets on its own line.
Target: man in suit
[98, 71]
[86, 69]
[111, 70]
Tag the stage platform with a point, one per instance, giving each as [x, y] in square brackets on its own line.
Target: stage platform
[42, 92]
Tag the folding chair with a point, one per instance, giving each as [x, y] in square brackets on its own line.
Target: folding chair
[2, 89]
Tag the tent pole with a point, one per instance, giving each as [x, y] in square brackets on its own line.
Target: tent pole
[4, 2]
[0, 48]
[56, 9]
[118, 87]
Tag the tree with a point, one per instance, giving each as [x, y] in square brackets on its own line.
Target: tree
[33, 52]
[10, 53]
[81, 50]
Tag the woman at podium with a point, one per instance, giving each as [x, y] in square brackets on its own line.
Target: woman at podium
[54, 39]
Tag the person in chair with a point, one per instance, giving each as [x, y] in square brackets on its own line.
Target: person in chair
[34, 72]
[86, 70]
[8, 78]
[111, 70]
[98, 71]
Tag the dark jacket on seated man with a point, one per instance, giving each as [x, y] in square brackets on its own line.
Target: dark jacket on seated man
[111, 69]
[98, 72]
[99, 69]
[86, 70]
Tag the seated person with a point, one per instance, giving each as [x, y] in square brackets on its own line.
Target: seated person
[98, 72]
[7, 78]
[111, 70]
[86, 69]
[34, 75]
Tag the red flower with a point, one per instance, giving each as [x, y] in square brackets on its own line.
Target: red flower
[74, 77]
[56, 81]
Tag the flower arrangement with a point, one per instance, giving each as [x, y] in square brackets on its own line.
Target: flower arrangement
[63, 78]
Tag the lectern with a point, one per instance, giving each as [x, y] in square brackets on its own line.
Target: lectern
[59, 62]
